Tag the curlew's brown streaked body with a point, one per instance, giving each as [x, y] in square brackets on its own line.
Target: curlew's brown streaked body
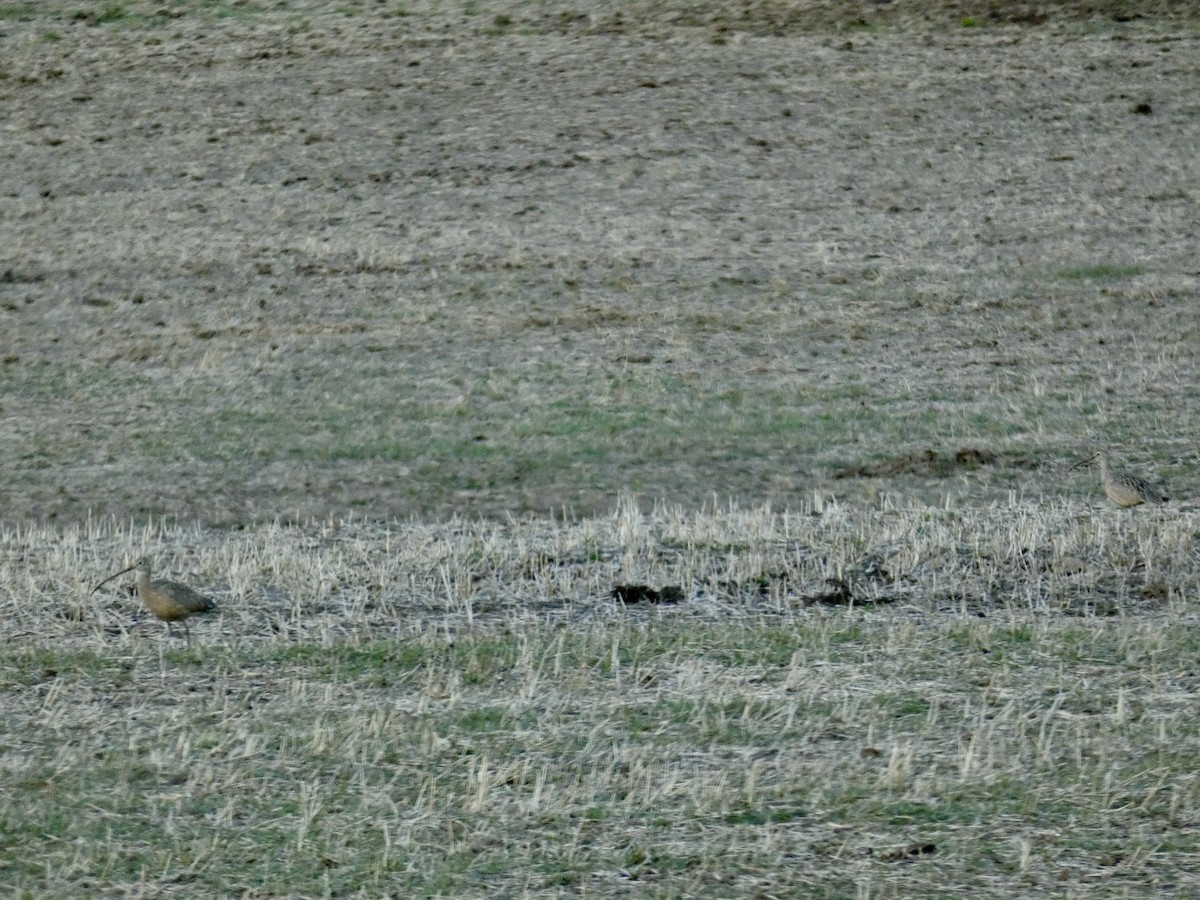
[169, 601]
[1121, 487]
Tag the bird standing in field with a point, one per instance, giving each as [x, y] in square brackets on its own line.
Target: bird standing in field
[169, 601]
[1124, 488]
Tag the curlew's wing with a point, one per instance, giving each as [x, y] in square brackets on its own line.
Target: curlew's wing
[186, 597]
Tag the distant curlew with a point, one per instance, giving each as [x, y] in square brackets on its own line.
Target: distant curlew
[168, 600]
[1124, 488]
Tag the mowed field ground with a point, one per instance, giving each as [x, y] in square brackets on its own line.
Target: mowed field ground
[630, 445]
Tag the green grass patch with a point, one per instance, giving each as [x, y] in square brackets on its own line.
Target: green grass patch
[20, 12]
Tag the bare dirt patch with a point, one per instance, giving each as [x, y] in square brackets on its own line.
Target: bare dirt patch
[400, 260]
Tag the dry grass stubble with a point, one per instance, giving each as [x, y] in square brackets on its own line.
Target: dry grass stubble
[463, 710]
[439, 263]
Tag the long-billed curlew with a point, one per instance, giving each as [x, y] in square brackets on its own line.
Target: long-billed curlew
[167, 600]
[1124, 488]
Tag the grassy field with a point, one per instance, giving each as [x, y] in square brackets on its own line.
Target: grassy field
[904, 702]
[264, 263]
[630, 446]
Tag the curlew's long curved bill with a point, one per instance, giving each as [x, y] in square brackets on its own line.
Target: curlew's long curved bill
[111, 577]
[1084, 462]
